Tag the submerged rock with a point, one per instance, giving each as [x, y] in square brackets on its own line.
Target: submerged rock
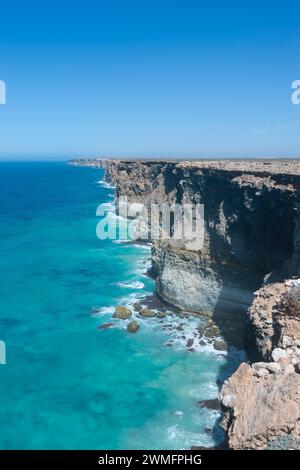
[210, 404]
[147, 312]
[104, 326]
[123, 313]
[133, 326]
[161, 315]
[220, 345]
[137, 307]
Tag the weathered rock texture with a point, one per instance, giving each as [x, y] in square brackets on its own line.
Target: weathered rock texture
[261, 409]
[274, 320]
[251, 247]
[262, 402]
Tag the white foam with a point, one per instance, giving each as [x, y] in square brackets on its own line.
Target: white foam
[143, 246]
[131, 285]
[183, 439]
[105, 184]
[104, 311]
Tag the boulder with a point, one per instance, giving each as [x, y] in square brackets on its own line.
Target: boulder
[274, 367]
[146, 312]
[161, 315]
[278, 354]
[259, 365]
[133, 326]
[261, 372]
[137, 307]
[220, 345]
[123, 313]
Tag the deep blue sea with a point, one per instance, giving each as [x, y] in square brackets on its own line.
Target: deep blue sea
[68, 384]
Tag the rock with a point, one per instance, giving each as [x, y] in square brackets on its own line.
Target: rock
[278, 354]
[261, 372]
[104, 326]
[210, 404]
[161, 315]
[259, 410]
[212, 330]
[179, 328]
[133, 326]
[274, 367]
[201, 329]
[146, 312]
[122, 313]
[297, 368]
[190, 342]
[289, 369]
[259, 365]
[137, 307]
[220, 345]
[221, 446]
[208, 430]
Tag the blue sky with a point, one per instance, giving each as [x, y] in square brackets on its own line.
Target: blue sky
[138, 78]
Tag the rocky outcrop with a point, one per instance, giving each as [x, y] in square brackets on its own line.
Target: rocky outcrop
[274, 320]
[262, 408]
[262, 401]
[245, 270]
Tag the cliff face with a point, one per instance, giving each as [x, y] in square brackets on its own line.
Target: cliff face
[251, 251]
[252, 227]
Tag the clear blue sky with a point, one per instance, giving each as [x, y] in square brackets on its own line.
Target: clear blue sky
[149, 78]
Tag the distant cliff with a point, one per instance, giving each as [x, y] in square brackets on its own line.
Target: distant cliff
[252, 239]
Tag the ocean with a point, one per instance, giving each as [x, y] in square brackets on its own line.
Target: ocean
[68, 384]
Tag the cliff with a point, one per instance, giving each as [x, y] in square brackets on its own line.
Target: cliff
[251, 247]
[252, 227]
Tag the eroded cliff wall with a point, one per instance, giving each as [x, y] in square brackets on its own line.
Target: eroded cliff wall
[251, 227]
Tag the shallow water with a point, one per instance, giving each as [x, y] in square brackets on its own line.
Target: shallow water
[67, 384]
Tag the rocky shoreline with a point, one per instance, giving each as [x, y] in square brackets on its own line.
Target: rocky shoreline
[245, 280]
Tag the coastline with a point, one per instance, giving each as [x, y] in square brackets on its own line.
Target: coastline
[187, 331]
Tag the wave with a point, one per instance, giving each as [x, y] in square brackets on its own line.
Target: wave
[104, 311]
[131, 285]
[105, 184]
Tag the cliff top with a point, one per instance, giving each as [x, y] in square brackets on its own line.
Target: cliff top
[262, 166]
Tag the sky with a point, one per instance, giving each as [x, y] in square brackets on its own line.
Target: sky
[149, 79]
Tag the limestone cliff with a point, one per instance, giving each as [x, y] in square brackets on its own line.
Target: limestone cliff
[252, 227]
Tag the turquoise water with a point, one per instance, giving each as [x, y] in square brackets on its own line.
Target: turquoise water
[67, 384]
